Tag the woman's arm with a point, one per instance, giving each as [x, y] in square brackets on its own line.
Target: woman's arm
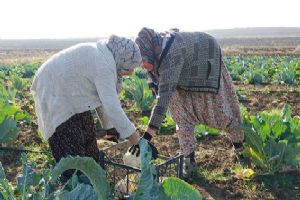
[169, 74]
[106, 88]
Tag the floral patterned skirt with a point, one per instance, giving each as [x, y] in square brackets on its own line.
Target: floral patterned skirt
[217, 110]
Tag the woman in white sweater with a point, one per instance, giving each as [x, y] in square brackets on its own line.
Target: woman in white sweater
[76, 80]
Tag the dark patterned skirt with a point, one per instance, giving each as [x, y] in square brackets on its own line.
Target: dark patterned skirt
[76, 136]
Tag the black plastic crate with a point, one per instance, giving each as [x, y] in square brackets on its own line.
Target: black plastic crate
[124, 178]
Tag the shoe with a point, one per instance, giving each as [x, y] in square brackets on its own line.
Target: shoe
[237, 145]
[189, 164]
[188, 167]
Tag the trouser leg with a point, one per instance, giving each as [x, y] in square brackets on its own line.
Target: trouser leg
[187, 141]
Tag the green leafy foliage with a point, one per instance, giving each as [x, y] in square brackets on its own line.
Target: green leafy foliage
[31, 185]
[26, 70]
[140, 73]
[91, 169]
[177, 189]
[202, 130]
[8, 93]
[148, 187]
[170, 189]
[8, 131]
[76, 189]
[264, 69]
[168, 125]
[9, 115]
[29, 178]
[272, 139]
[6, 189]
[287, 72]
[137, 89]
[17, 82]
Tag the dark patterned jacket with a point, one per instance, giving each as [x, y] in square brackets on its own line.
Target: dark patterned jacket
[192, 63]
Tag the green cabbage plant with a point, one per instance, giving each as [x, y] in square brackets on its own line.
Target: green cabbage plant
[9, 115]
[31, 185]
[137, 89]
[272, 140]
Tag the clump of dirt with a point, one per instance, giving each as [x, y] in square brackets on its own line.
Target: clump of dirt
[166, 145]
[28, 135]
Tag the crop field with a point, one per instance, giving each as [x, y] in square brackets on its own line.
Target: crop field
[266, 76]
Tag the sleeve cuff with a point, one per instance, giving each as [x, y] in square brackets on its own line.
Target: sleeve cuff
[153, 127]
[156, 121]
[125, 133]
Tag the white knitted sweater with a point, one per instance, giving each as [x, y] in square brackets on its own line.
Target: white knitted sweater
[80, 78]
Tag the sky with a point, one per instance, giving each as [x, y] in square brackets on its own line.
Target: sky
[27, 19]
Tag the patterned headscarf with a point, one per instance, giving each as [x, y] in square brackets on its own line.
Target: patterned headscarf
[125, 51]
[126, 54]
[149, 43]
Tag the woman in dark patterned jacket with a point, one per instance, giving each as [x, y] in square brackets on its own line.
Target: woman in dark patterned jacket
[193, 83]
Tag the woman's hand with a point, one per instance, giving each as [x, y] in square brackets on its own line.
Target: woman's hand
[148, 66]
[135, 149]
[112, 135]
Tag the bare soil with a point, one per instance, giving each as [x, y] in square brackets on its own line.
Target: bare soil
[268, 97]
